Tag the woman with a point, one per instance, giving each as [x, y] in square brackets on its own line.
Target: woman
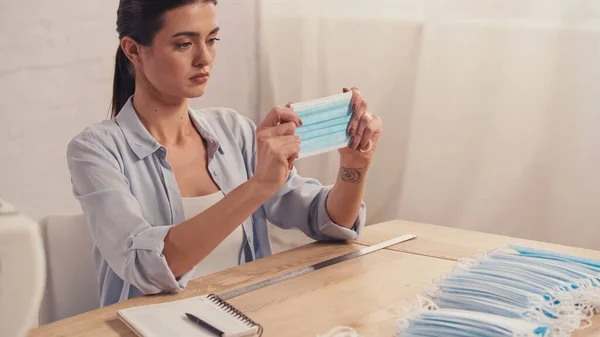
[171, 194]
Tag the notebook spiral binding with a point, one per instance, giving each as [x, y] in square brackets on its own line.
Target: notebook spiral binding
[228, 308]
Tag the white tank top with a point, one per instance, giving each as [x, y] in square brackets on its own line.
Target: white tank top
[226, 255]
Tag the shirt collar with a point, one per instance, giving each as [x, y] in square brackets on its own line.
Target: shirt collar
[141, 141]
[204, 128]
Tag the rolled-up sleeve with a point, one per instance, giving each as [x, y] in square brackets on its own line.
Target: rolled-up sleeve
[131, 246]
[301, 203]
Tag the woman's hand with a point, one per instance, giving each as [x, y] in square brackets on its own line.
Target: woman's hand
[277, 147]
[365, 129]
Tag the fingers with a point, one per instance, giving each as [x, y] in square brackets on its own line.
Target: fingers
[359, 137]
[359, 107]
[280, 115]
[288, 148]
[287, 145]
[369, 130]
[283, 146]
[359, 116]
[284, 129]
[364, 128]
[372, 128]
[290, 160]
[291, 151]
[355, 97]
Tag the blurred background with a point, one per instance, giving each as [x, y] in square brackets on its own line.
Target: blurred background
[490, 107]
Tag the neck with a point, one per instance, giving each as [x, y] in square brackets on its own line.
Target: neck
[166, 119]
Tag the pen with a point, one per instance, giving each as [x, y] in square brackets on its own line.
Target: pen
[205, 325]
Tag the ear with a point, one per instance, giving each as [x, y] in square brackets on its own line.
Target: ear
[132, 49]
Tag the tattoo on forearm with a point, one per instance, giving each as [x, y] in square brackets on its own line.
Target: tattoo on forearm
[351, 175]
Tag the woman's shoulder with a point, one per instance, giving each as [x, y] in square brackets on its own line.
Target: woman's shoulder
[105, 136]
[99, 131]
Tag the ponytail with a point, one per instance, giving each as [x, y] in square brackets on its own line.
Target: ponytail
[123, 83]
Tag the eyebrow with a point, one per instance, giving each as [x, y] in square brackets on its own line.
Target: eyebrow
[196, 34]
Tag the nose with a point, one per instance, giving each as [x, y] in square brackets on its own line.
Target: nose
[202, 57]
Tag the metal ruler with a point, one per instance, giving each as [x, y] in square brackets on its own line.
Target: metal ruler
[320, 265]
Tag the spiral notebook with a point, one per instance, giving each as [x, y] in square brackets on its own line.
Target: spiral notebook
[169, 319]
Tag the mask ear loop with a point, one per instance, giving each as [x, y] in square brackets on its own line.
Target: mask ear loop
[565, 316]
[588, 324]
[435, 287]
[341, 331]
[502, 249]
[410, 313]
[465, 263]
[426, 303]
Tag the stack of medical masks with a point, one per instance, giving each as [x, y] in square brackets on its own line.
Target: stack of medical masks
[462, 323]
[513, 291]
[324, 124]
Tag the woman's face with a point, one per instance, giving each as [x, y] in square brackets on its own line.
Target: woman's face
[180, 59]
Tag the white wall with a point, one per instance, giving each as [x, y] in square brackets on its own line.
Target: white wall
[56, 67]
[490, 107]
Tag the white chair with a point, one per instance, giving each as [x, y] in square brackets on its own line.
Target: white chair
[22, 271]
[72, 285]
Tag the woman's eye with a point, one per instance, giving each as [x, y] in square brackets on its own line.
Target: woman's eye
[213, 41]
[183, 46]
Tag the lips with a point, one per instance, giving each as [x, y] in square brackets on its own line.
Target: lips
[199, 76]
[200, 79]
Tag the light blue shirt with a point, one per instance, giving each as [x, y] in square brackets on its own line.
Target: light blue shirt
[129, 195]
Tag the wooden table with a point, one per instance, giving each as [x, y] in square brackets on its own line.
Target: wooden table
[368, 293]
[452, 243]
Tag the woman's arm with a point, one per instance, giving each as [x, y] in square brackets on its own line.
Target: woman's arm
[191, 241]
[345, 198]
[131, 246]
[325, 213]
[365, 129]
[301, 204]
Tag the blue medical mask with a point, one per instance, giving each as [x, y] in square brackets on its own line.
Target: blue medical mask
[585, 291]
[485, 285]
[537, 283]
[559, 271]
[538, 286]
[455, 323]
[529, 313]
[486, 305]
[324, 124]
[542, 273]
[515, 284]
[520, 275]
[590, 263]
